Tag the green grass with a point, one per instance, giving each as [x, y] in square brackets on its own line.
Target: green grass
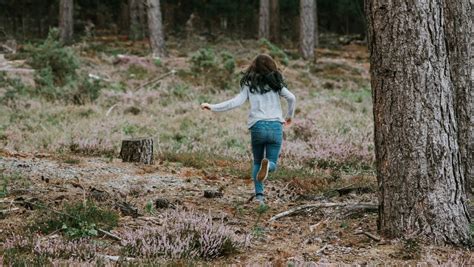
[76, 220]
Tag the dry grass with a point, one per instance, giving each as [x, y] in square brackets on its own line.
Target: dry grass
[332, 127]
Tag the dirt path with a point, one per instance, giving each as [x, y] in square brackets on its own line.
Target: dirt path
[321, 236]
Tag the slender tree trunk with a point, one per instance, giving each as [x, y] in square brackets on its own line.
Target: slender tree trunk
[307, 29]
[136, 26]
[458, 27]
[275, 21]
[264, 20]
[124, 17]
[155, 28]
[316, 29]
[419, 167]
[66, 21]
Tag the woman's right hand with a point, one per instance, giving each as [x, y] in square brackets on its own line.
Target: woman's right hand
[205, 106]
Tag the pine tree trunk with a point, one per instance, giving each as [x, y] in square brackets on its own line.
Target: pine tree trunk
[137, 150]
[155, 28]
[419, 168]
[458, 28]
[136, 26]
[264, 20]
[307, 29]
[274, 21]
[316, 30]
[66, 20]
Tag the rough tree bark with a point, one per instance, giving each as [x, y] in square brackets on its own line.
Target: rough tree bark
[264, 20]
[137, 150]
[274, 21]
[458, 28]
[66, 21]
[418, 161]
[155, 28]
[307, 29]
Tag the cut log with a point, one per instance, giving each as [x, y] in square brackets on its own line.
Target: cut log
[137, 150]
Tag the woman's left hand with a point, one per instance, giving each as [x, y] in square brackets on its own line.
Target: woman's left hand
[287, 122]
[205, 106]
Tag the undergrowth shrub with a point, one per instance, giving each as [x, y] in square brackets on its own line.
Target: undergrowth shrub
[38, 250]
[12, 89]
[216, 69]
[274, 51]
[78, 220]
[183, 235]
[57, 74]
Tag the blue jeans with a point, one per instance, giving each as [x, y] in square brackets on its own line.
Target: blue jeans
[267, 137]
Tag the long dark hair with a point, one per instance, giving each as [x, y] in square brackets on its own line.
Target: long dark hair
[262, 72]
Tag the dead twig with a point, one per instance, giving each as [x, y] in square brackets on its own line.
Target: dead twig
[321, 205]
[369, 235]
[9, 210]
[321, 249]
[115, 258]
[109, 234]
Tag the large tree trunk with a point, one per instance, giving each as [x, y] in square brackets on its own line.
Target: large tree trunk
[264, 20]
[458, 27]
[155, 28]
[274, 21]
[307, 29]
[419, 167]
[136, 20]
[66, 21]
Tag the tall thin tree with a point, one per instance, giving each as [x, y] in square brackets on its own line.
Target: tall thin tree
[264, 20]
[316, 29]
[417, 146]
[66, 20]
[274, 21]
[136, 19]
[307, 29]
[155, 28]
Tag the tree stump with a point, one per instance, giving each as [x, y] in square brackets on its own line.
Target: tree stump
[137, 150]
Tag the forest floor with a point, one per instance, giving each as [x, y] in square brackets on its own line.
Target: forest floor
[54, 155]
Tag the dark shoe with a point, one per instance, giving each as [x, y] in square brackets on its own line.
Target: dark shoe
[263, 172]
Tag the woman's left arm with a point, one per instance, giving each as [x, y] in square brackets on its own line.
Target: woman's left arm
[237, 101]
[291, 99]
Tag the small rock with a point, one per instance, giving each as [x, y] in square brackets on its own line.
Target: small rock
[163, 203]
[212, 194]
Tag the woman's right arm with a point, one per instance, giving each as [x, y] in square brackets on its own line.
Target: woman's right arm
[237, 101]
[291, 99]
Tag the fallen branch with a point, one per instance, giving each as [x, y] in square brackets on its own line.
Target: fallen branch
[374, 237]
[115, 258]
[321, 205]
[109, 234]
[9, 210]
[321, 249]
[153, 81]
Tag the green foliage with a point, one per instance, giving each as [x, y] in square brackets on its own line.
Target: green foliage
[60, 61]
[57, 77]
[216, 69]
[10, 181]
[204, 60]
[274, 51]
[14, 87]
[78, 220]
[149, 207]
